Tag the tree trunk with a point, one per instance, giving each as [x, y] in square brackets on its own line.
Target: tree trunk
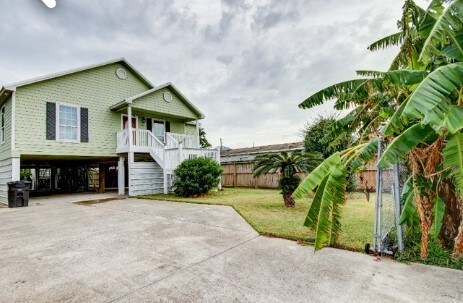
[289, 201]
[458, 249]
[452, 218]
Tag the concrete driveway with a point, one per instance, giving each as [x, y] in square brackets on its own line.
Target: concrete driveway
[148, 251]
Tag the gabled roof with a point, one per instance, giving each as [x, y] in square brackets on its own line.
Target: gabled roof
[264, 149]
[122, 60]
[155, 89]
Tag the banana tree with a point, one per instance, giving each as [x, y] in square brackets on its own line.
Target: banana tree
[417, 106]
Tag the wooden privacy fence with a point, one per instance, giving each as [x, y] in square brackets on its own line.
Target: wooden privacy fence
[239, 174]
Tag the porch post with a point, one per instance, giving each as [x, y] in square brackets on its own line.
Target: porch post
[197, 133]
[218, 161]
[121, 176]
[129, 124]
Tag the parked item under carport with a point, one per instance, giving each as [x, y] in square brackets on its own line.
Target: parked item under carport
[18, 193]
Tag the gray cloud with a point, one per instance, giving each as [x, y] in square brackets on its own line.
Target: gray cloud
[246, 64]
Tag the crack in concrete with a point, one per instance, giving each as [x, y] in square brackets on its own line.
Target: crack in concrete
[176, 219]
[182, 269]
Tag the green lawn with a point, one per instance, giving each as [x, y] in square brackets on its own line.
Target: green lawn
[264, 210]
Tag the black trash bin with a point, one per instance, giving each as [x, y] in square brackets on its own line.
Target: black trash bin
[18, 193]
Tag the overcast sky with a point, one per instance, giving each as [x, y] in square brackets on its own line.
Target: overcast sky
[245, 64]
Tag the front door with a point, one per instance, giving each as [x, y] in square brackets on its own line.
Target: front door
[125, 118]
[159, 130]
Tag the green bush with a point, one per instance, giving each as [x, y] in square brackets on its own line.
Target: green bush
[196, 177]
[437, 255]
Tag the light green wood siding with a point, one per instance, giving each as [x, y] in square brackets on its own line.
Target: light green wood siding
[155, 103]
[176, 125]
[190, 129]
[96, 89]
[5, 147]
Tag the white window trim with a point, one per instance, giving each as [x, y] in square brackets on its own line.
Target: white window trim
[3, 135]
[57, 123]
[125, 115]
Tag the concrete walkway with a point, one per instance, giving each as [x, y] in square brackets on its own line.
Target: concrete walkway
[147, 251]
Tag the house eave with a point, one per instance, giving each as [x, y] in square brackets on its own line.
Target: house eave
[5, 92]
[172, 86]
[80, 69]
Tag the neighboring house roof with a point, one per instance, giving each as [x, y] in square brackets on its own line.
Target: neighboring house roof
[155, 89]
[249, 153]
[122, 60]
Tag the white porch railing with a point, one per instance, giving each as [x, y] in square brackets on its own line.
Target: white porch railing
[188, 141]
[178, 147]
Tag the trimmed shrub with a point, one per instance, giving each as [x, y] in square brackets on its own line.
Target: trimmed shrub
[196, 177]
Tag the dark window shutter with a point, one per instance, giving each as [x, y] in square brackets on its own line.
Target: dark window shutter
[51, 121]
[83, 124]
[149, 124]
[167, 127]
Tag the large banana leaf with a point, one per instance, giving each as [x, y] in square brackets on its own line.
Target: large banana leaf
[338, 202]
[401, 77]
[333, 196]
[454, 120]
[397, 122]
[312, 216]
[449, 22]
[409, 213]
[453, 160]
[404, 143]
[438, 211]
[316, 176]
[455, 49]
[333, 91]
[430, 101]
[388, 41]
[365, 154]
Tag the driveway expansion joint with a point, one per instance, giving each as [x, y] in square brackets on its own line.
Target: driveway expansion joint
[183, 269]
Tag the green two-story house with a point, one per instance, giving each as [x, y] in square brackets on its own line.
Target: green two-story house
[103, 125]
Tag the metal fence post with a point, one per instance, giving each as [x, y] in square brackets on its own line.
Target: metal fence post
[397, 206]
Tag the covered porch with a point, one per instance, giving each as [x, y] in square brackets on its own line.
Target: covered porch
[167, 138]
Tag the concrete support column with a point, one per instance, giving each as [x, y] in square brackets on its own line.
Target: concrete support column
[102, 175]
[15, 169]
[121, 176]
[166, 190]
[130, 160]
[53, 178]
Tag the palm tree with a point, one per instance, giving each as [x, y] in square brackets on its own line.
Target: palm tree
[420, 102]
[287, 165]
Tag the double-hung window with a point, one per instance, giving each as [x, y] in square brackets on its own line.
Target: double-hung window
[68, 123]
[2, 125]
